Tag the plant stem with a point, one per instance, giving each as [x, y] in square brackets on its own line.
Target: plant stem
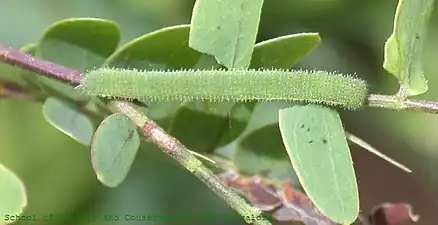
[39, 66]
[393, 102]
[151, 130]
[66, 75]
[15, 91]
[173, 148]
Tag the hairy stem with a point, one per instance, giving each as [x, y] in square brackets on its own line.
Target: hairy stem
[151, 130]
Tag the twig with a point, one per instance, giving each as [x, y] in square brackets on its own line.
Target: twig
[356, 140]
[39, 66]
[393, 102]
[10, 90]
[66, 75]
[173, 148]
[151, 130]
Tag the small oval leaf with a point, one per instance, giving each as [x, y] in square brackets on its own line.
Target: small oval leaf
[166, 48]
[113, 150]
[226, 29]
[284, 52]
[13, 196]
[77, 43]
[315, 142]
[404, 48]
[64, 117]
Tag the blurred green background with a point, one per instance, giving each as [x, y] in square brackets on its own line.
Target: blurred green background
[57, 171]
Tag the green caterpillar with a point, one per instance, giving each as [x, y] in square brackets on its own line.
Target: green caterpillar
[228, 85]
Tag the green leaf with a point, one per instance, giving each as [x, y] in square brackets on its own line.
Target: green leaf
[259, 147]
[29, 48]
[284, 52]
[11, 73]
[114, 148]
[315, 141]
[69, 120]
[261, 151]
[210, 124]
[77, 43]
[226, 29]
[264, 114]
[236, 122]
[404, 48]
[197, 130]
[13, 196]
[166, 48]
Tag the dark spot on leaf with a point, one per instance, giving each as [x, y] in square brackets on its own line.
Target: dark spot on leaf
[218, 27]
[417, 36]
[131, 133]
[310, 141]
[308, 129]
[324, 141]
[302, 126]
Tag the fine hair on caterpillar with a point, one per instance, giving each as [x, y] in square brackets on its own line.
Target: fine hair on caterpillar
[237, 85]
